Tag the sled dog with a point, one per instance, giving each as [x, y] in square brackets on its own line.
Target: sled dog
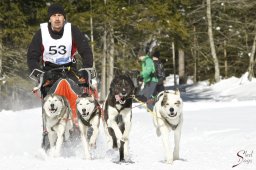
[118, 114]
[57, 114]
[88, 111]
[168, 116]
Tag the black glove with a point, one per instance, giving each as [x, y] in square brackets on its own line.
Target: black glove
[82, 74]
[49, 75]
[141, 98]
[140, 78]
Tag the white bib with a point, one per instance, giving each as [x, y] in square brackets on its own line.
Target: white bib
[57, 51]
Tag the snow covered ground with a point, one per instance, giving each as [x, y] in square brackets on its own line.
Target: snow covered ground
[218, 132]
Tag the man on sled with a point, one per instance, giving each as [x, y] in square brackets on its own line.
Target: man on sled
[51, 59]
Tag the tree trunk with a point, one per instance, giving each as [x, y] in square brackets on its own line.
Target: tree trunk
[1, 76]
[174, 64]
[103, 63]
[210, 34]
[182, 77]
[1, 54]
[194, 55]
[225, 59]
[92, 39]
[103, 67]
[111, 57]
[251, 61]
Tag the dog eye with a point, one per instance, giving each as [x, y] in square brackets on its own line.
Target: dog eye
[177, 103]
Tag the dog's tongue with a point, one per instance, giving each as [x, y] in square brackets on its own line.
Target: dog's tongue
[118, 98]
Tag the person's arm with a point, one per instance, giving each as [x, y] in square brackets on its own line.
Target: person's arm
[34, 52]
[148, 69]
[83, 47]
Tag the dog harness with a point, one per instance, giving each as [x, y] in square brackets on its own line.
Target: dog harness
[61, 117]
[171, 125]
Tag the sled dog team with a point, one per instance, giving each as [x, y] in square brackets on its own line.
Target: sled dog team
[116, 117]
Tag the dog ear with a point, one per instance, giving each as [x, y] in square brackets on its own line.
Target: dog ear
[159, 95]
[65, 101]
[177, 92]
[45, 98]
[165, 98]
[78, 100]
[117, 72]
[128, 74]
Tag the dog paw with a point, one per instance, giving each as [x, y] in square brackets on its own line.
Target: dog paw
[118, 143]
[92, 146]
[123, 139]
[158, 132]
[169, 161]
[176, 157]
[88, 157]
[53, 154]
[66, 136]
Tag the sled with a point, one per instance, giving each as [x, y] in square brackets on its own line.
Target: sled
[63, 86]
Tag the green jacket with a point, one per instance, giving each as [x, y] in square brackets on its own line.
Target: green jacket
[148, 68]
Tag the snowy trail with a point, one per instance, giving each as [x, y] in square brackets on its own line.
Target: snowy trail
[213, 134]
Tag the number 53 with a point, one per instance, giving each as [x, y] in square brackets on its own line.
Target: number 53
[54, 50]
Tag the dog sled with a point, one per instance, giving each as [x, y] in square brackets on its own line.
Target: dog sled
[63, 82]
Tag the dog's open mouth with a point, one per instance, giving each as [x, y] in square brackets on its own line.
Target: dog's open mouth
[84, 113]
[120, 98]
[172, 114]
[53, 110]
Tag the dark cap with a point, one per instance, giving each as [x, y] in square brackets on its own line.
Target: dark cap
[55, 9]
[156, 54]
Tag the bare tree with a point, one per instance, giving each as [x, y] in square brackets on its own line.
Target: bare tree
[91, 25]
[174, 64]
[103, 63]
[252, 61]
[194, 54]
[182, 78]
[110, 57]
[210, 34]
[1, 53]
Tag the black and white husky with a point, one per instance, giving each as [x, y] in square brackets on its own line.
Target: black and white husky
[118, 114]
[88, 111]
[168, 115]
[57, 116]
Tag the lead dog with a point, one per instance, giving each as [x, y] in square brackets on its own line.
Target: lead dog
[88, 111]
[118, 114]
[169, 116]
[57, 115]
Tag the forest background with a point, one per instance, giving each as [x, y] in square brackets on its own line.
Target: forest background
[198, 39]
